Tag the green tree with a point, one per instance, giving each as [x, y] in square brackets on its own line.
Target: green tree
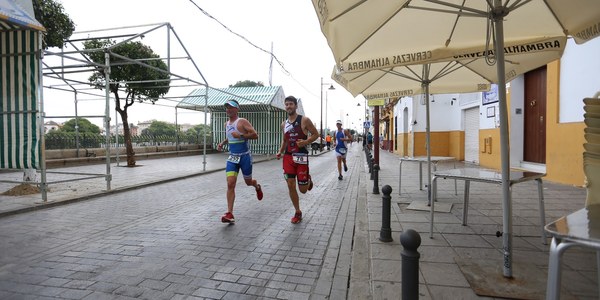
[247, 83]
[59, 26]
[202, 129]
[160, 128]
[140, 81]
[84, 126]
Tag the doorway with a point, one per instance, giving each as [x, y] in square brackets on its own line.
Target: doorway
[471, 119]
[534, 144]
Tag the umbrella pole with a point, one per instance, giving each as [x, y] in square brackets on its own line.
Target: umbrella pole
[425, 86]
[498, 14]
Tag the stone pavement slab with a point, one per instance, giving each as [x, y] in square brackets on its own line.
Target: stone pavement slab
[440, 275]
[67, 184]
[138, 243]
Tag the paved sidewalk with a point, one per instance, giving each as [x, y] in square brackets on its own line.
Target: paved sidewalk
[440, 274]
[75, 187]
[359, 266]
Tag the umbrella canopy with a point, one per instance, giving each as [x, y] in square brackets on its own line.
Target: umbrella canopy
[375, 34]
[400, 81]
[378, 34]
[430, 78]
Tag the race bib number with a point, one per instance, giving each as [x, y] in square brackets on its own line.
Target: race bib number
[234, 159]
[300, 158]
[342, 150]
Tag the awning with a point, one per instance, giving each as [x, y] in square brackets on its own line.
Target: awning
[20, 46]
[257, 98]
[13, 15]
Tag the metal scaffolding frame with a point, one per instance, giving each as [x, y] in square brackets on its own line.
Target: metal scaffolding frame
[63, 71]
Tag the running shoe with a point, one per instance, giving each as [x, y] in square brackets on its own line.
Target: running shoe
[340, 177]
[297, 218]
[227, 218]
[345, 168]
[259, 193]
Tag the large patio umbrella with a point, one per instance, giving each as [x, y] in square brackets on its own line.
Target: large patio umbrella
[460, 76]
[426, 79]
[377, 34]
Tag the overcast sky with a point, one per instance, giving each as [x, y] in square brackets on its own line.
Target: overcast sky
[222, 57]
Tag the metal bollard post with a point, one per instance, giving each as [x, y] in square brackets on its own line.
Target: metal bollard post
[410, 240]
[385, 234]
[375, 179]
[370, 161]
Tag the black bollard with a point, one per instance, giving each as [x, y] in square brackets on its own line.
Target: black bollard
[375, 179]
[370, 161]
[410, 240]
[385, 234]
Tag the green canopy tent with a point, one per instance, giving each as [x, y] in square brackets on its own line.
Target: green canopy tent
[263, 106]
[20, 85]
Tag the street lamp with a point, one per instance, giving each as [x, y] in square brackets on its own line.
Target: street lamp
[330, 88]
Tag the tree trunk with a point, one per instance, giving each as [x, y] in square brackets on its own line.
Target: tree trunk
[127, 137]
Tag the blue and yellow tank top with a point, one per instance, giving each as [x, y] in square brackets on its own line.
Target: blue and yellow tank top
[236, 145]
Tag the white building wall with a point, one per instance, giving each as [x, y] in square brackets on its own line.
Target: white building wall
[517, 120]
[444, 113]
[579, 78]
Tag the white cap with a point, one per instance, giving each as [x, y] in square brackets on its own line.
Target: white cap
[338, 122]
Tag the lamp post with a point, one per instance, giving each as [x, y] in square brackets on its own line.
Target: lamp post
[321, 131]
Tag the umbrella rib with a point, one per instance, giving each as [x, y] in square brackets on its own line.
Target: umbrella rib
[370, 85]
[347, 10]
[455, 23]
[516, 4]
[462, 13]
[482, 76]
[556, 18]
[472, 12]
[450, 67]
[403, 75]
[372, 33]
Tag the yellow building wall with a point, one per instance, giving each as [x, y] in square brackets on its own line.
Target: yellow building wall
[564, 141]
[443, 143]
[402, 139]
[456, 145]
[489, 148]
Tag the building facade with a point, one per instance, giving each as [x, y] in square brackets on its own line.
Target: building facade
[545, 108]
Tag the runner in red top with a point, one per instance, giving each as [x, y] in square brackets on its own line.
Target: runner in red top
[295, 155]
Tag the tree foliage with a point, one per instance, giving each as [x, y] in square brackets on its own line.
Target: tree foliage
[160, 128]
[84, 126]
[143, 79]
[247, 83]
[123, 72]
[199, 130]
[59, 26]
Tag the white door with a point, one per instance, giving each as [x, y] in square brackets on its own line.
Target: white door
[472, 135]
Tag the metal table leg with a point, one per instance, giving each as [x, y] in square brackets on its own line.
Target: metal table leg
[400, 178]
[455, 185]
[420, 176]
[557, 248]
[542, 209]
[432, 204]
[466, 202]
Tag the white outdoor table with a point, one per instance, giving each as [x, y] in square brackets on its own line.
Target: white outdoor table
[581, 228]
[423, 159]
[494, 177]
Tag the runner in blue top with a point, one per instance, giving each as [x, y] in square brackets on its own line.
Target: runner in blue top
[238, 132]
[341, 136]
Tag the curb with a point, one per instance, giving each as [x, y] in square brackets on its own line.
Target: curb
[49, 204]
